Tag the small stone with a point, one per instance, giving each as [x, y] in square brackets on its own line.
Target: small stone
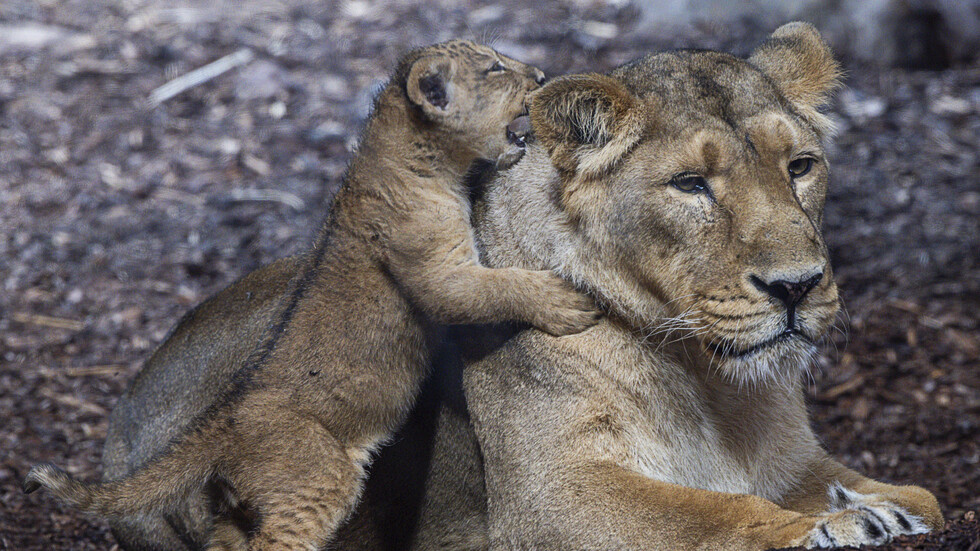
[484, 15]
[869, 459]
[601, 30]
[32, 36]
[277, 110]
[861, 409]
[229, 146]
[948, 105]
[75, 296]
[128, 317]
[969, 202]
[260, 80]
[862, 106]
[919, 396]
[57, 155]
[335, 87]
[326, 131]
[357, 9]
[60, 239]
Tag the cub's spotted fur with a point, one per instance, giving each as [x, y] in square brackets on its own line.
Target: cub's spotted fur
[338, 371]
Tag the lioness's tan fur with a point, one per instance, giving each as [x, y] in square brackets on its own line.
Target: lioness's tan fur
[342, 363]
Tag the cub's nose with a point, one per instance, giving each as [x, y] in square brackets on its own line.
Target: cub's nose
[789, 293]
[538, 76]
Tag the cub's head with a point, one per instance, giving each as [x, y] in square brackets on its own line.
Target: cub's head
[694, 183]
[468, 94]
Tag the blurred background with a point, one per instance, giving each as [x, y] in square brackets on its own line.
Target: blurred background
[120, 208]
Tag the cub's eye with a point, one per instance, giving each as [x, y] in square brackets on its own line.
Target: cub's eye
[690, 183]
[799, 167]
[497, 66]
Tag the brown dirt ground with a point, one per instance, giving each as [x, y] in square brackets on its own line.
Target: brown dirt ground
[117, 216]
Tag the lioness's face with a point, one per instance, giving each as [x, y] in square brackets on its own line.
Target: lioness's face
[729, 215]
[704, 183]
[473, 92]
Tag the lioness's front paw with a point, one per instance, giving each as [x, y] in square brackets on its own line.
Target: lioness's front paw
[565, 310]
[861, 519]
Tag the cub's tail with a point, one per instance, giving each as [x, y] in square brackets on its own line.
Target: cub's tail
[154, 487]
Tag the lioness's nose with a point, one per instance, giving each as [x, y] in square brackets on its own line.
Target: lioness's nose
[789, 293]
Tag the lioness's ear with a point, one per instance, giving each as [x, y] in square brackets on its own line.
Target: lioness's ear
[802, 66]
[586, 122]
[428, 85]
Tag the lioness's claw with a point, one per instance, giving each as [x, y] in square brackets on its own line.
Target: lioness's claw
[857, 519]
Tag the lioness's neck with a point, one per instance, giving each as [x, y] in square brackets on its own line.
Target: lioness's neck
[523, 225]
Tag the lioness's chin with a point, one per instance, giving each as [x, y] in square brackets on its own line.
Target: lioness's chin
[781, 360]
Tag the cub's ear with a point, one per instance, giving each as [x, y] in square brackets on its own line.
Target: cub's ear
[802, 66]
[429, 85]
[586, 123]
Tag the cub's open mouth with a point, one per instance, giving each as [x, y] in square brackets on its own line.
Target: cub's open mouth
[728, 349]
[519, 129]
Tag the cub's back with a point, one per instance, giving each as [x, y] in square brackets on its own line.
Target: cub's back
[193, 366]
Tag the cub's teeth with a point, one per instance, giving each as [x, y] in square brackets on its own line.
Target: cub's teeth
[518, 130]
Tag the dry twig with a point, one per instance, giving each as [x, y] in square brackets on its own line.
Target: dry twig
[200, 76]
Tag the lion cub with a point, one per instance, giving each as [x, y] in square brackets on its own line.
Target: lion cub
[340, 369]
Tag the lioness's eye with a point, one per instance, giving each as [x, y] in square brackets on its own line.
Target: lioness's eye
[799, 167]
[690, 183]
[497, 66]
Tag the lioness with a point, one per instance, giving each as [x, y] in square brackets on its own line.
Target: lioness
[342, 365]
[685, 190]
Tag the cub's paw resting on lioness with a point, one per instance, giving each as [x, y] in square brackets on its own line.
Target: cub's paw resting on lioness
[861, 519]
[561, 309]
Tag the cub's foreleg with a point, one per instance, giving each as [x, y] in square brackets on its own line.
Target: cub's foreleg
[438, 267]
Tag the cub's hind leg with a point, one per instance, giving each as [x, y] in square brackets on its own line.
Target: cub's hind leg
[231, 520]
[151, 532]
[227, 536]
[301, 481]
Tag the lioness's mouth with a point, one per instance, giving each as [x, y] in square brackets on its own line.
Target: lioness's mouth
[727, 349]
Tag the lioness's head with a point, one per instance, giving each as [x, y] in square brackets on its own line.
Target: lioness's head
[688, 188]
[468, 93]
